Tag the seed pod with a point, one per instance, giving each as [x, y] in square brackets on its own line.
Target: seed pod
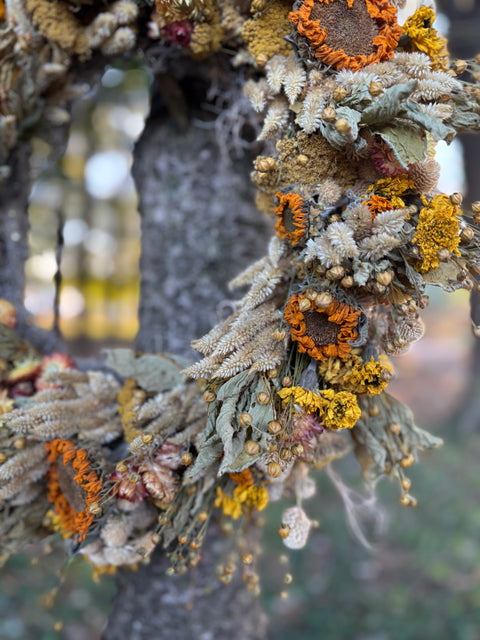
[279, 334]
[342, 125]
[302, 159]
[304, 304]
[456, 198]
[407, 461]
[324, 300]
[339, 94]
[283, 530]
[298, 449]
[329, 115]
[384, 278]
[187, 459]
[247, 558]
[147, 438]
[274, 470]
[395, 428]
[467, 235]
[335, 273]
[245, 419]
[263, 397]
[274, 427]
[375, 88]
[251, 448]
[209, 396]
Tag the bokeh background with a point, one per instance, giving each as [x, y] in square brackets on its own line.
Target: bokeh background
[421, 576]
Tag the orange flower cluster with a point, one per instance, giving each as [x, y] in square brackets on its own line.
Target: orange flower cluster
[292, 217]
[73, 521]
[377, 204]
[351, 35]
[322, 332]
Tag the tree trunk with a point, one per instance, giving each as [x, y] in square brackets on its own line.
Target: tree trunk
[199, 228]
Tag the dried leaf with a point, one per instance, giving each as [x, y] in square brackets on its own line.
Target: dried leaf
[445, 276]
[407, 143]
[387, 106]
[154, 373]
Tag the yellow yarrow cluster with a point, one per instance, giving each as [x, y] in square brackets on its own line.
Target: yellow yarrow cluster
[423, 37]
[396, 186]
[438, 228]
[369, 378]
[265, 34]
[304, 398]
[337, 410]
[252, 496]
[56, 524]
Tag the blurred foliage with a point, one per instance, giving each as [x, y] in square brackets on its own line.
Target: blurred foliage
[89, 201]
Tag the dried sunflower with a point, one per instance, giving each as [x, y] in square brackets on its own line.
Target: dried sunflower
[72, 487]
[292, 217]
[348, 34]
[322, 332]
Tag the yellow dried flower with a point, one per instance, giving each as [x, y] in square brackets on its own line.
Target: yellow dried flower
[423, 37]
[228, 505]
[264, 34]
[438, 228]
[370, 377]
[252, 496]
[304, 398]
[396, 186]
[342, 410]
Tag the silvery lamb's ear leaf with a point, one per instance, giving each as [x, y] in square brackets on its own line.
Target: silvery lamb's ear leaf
[437, 129]
[445, 276]
[408, 143]
[337, 139]
[154, 373]
[387, 106]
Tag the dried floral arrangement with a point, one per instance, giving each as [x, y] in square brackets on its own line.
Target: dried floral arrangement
[353, 104]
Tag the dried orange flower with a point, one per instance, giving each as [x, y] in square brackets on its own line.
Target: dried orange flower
[72, 487]
[292, 217]
[322, 332]
[348, 34]
[377, 204]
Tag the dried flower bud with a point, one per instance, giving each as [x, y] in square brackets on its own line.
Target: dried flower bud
[456, 198]
[265, 164]
[342, 125]
[247, 558]
[3, 458]
[182, 539]
[263, 397]
[19, 443]
[95, 508]
[272, 373]
[395, 428]
[147, 438]
[284, 530]
[443, 255]
[406, 483]
[298, 449]
[261, 60]
[379, 288]
[245, 419]
[329, 115]
[476, 206]
[336, 273]
[324, 300]
[302, 159]
[274, 427]
[407, 461]
[203, 516]
[304, 304]
[288, 578]
[209, 396]
[347, 282]
[467, 235]
[375, 88]
[286, 382]
[279, 334]
[187, 459]
[286, 454]
[274, 470]
[373, 410]
[460, 66]
[251, 448]
[384, 278]
[339, 94]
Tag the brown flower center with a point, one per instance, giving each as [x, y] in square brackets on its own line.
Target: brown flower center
[319, 328]
[289, 221]
[74, 494]
[352, 30]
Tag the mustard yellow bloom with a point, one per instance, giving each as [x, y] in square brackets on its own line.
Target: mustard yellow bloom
[394, 186]
[369, 378]
[423, 37]
[252, 496]
[249, 496]
[304, 398]
[228, 505]
[342, 410]
[438, 228]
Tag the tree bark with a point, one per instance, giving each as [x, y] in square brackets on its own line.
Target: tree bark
[199, 229]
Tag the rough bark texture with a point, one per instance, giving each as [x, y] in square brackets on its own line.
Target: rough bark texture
[199, 228]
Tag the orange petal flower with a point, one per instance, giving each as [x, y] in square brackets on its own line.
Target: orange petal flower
[71, 473]
[322, 332]
[292, 217]
[348, 34]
